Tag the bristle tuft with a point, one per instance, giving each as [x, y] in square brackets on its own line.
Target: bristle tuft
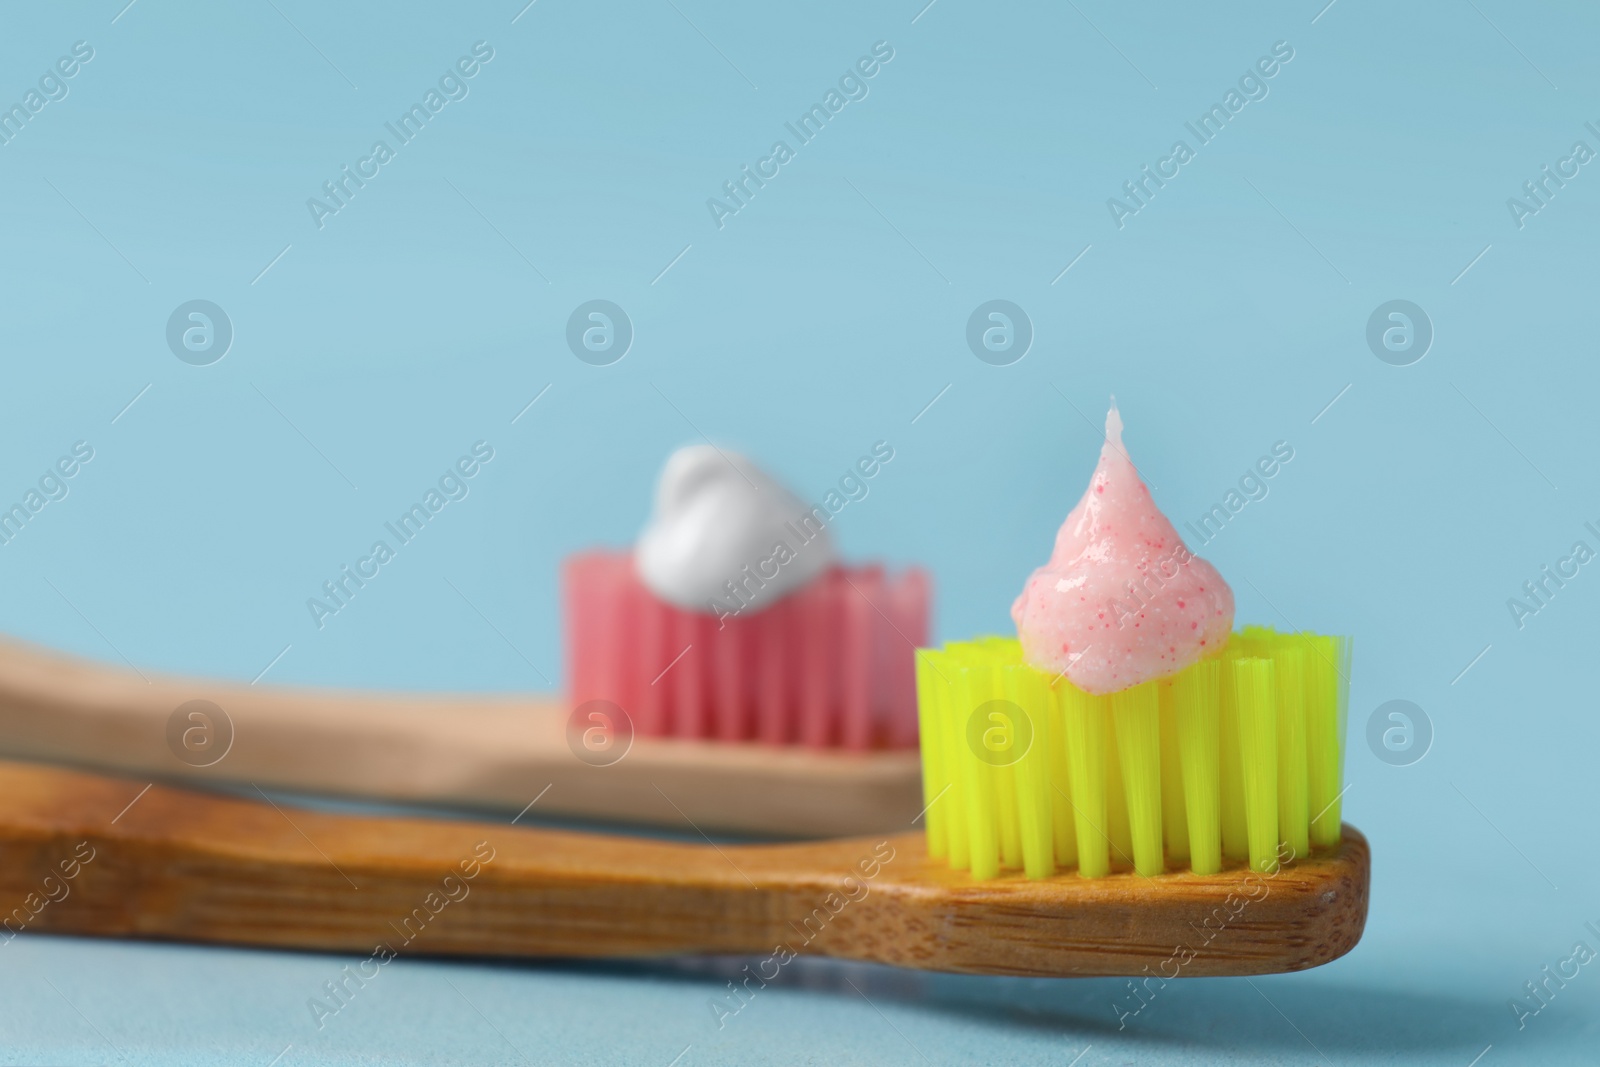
[1235, 760]
[826, 667]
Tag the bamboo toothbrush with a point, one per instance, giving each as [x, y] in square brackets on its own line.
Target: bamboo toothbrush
[483, 752]
[730, 671]
[96, 855]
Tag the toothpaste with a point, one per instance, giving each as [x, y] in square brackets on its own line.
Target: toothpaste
[716, 514]
[1122, 599]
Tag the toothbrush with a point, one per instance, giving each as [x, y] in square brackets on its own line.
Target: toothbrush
[729, 662]
[87, 854]
[492, 753]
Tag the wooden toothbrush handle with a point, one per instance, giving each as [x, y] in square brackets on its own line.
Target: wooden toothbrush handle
[93, 855]
[482, 751]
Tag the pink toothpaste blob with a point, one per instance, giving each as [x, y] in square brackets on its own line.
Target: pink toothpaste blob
[1122, 600]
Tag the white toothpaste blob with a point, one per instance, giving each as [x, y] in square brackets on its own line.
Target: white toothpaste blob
[716, 514]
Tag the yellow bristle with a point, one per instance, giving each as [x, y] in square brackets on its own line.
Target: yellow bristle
[1235, 837]
[1030, 691]
[957, 801]
[1116, 825]
[1255, 682]
[1235, 759]
[1087, 757]
[996, 735]
[931, 700]
[1136, 717]
[1197, 714]
[1327, 673]
[1000, 650]
[1253, 640]
[1062, 822]
[1174, 814]
[1294, 817]
[1004, 777]
[983, 817]
[983, 823]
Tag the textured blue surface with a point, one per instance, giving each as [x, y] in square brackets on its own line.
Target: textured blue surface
[1226, 315]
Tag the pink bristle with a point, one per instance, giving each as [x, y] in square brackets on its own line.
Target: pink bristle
[908, 607]
[831, 665]
[820, 606]
[626, 636]
[732, 680]
[650, 717]
[774, 682]
[591, 597]
[690, 675]
[862, 596]
[887, 645]
[580, 601]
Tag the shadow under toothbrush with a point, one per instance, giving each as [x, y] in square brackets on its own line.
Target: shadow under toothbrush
[1275, 1015]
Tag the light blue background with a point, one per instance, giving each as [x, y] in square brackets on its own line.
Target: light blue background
[1224, 316]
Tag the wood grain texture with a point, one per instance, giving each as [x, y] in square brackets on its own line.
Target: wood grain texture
[191, 866]
[477, 751]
